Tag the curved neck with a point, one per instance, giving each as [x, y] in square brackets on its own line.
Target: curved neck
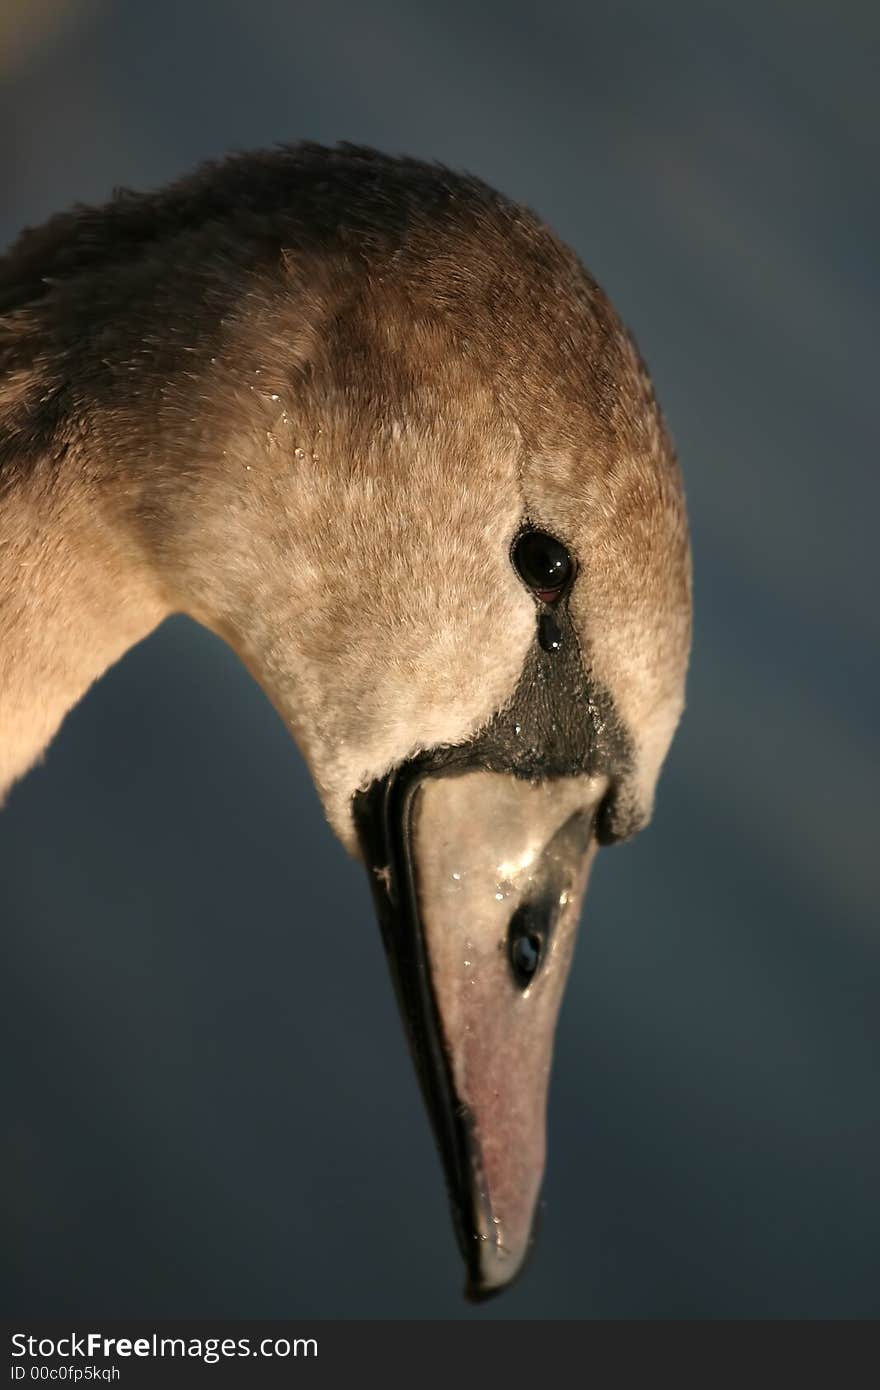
[72, 601]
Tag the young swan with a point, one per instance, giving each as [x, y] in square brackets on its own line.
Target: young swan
[375, 426]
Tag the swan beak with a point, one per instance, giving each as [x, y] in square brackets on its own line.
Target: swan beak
[478, 878]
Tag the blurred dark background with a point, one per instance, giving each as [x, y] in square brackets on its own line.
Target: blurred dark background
[208, 1106]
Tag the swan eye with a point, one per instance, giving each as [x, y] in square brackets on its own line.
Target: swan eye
[543, 563]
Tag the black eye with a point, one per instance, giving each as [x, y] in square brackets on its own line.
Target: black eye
[526, 939]
[543, 563]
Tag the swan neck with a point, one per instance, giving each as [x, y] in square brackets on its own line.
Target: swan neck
[74, 597]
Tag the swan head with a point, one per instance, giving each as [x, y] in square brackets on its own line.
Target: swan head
[445, 529]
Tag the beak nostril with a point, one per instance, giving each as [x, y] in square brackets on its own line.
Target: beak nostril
[525, 956]
[527, 938]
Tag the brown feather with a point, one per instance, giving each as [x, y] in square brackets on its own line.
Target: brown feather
[308, 396]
